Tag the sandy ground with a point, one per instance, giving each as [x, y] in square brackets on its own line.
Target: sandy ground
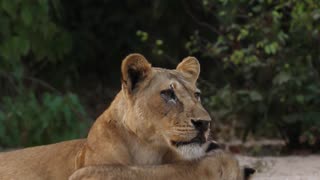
[284, 168]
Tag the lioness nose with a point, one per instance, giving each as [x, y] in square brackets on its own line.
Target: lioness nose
[201, 125]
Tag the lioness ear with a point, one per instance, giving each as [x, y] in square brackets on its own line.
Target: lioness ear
[134, 68]
[190, 67]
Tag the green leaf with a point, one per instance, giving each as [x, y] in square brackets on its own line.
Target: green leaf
[243, 34]
[24, 46]
[281, 78]
[257, 8]
[9, 6]
[26, 16]
[271, 48]
[255, 96]
[159, 42]
[300, 99]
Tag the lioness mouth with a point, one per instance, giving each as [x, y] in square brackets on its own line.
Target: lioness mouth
[197, 140]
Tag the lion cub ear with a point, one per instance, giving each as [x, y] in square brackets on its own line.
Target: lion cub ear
[190, 67]
[135, 68]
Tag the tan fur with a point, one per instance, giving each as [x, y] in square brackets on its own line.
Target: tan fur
[135, 132]
[217, 166]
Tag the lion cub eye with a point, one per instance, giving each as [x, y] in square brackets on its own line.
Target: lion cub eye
[168, 95]
[197, 95]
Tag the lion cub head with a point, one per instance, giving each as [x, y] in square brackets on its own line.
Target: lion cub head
[164, 106]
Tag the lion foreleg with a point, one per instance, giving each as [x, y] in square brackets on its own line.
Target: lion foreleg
[160, 172]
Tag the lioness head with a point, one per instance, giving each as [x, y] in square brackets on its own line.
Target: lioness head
[164, 106]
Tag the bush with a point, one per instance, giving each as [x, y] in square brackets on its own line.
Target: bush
[29, 41]
[28, 31]
[268, 66]
[26, 120]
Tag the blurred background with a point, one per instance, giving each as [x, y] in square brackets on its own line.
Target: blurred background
[260, 64]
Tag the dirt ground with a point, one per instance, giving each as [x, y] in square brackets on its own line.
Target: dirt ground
[284, 168]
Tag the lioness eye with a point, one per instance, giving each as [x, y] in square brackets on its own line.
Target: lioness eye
[168, 95]
[197, 95]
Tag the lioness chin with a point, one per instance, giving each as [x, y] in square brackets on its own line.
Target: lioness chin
[156, 127]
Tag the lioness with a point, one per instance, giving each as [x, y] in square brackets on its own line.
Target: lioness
[155, 127]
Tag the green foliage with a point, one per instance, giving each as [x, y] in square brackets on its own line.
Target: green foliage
[260, 58]
[270, 65]
[27, 30]
[30, 38]
[156, 46]
[26, 120]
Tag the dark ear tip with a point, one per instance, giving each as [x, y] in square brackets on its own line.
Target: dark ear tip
[248, 172]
